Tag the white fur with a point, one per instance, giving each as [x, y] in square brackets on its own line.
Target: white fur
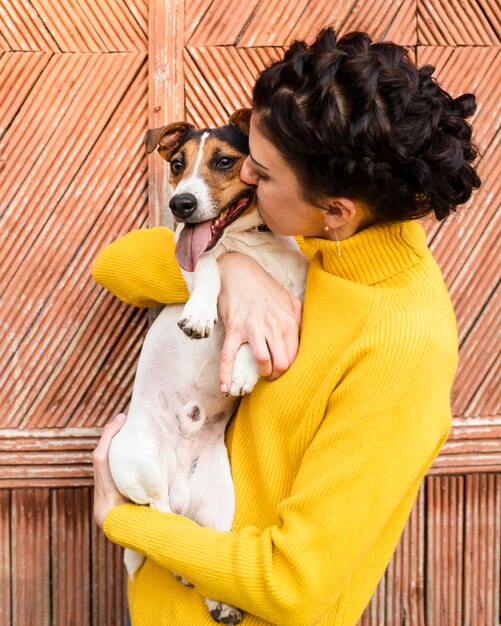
[196, 185]
[170, 453]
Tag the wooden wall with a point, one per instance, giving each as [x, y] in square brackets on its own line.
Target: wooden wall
[80, 81]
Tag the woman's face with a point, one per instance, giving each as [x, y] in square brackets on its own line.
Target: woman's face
[279, 199]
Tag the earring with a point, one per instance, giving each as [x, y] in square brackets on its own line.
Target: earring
[327, 229]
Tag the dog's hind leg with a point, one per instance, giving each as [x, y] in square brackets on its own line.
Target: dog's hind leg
[133, 561]
[216, 508]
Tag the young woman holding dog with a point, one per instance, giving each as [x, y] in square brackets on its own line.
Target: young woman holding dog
[349, 144]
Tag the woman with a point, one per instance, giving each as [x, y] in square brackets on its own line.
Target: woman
[349, 144]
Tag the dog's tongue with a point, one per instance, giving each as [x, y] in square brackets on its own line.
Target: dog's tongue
[192, 243]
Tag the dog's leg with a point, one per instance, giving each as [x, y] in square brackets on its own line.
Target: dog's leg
[245, 373]
[133, 561]
[200, 312]
[216, 510]
[223, 613]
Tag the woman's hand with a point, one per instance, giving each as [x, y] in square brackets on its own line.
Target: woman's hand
[256, 309]
[106, 495]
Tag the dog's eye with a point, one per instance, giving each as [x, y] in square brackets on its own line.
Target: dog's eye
[225, 162]
[176, 166]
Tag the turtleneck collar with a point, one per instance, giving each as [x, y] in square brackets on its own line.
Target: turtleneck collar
[374, 254]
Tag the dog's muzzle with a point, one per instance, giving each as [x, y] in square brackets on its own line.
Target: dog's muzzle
[183, 205]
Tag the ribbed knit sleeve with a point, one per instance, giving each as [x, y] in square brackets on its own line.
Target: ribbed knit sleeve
[356, 482]
[140, 268]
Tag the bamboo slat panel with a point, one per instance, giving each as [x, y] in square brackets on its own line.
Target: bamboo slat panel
[463, 550]
[5, 559]
[73, 178]
[76, 94]
[62, 570]
[30, 550]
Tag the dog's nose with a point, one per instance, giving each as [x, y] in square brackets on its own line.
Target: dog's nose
[183, 204]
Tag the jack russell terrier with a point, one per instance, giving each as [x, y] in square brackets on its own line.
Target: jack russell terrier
[170, 454]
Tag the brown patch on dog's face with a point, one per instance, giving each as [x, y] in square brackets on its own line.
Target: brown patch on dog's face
[217, 164]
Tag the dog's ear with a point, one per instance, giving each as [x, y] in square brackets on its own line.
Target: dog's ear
[166, 138]
[241, 119]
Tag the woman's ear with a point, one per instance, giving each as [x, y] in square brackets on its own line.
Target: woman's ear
[340, 211]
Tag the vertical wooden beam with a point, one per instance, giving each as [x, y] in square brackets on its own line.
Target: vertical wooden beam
[166, 92]
[445, 566]
[482, 550]
[70, 556]
[5, 562]
[30, 557]
[109, 597]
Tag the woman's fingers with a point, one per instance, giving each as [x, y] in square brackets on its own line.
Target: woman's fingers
[232, 342]
[101, 452]
[106, 494]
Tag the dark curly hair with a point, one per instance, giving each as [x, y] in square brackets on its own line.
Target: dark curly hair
[358, 119]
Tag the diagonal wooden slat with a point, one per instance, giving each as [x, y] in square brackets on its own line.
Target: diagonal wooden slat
[397, 22]
[195, 11]
[272, 22]
[478, 376]
[475, 70]
[73, 26]
[467, 248]
[92, 371]
[487, 398]
[19, 71]
[490, 9]
[220, 23]
[466, 23]
[315, 16]
[23, 29]
[219, 80]
[49, 318]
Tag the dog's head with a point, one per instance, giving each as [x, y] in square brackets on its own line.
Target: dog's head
[205, 174]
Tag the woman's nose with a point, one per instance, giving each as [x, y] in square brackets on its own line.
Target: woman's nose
[248, 173]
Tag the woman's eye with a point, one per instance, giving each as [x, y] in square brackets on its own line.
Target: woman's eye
[176, 166]
[225, 162]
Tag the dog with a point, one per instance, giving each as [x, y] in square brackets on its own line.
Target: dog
[170, 453]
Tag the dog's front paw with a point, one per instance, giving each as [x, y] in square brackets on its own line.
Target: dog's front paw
[182, 580]
[197, 321]
[245, 372]
[223, 613]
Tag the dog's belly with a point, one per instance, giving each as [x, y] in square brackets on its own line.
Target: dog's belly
[155, 458]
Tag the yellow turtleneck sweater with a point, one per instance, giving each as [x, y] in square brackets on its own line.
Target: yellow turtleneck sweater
[327, 460]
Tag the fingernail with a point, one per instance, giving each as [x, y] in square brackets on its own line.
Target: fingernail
[224, 387]
[119, 418]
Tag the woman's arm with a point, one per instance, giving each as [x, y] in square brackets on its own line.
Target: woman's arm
[140, 268]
